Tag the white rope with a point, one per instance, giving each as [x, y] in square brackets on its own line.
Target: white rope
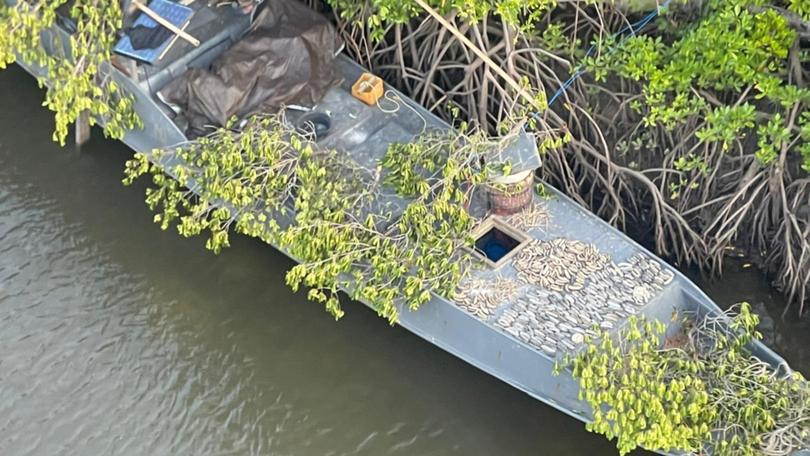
[393, 97]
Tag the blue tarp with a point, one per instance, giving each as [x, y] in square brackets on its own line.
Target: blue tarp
[175, 13]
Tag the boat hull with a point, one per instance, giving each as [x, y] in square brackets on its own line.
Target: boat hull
[444, 324]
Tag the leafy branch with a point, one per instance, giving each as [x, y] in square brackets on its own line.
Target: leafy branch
[702, 391]
[390, 235]
[75, 79]
[732, 48]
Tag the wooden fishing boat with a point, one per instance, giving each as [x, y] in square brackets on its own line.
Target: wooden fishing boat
[517, 339]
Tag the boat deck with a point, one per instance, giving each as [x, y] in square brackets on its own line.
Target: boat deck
[568, 278]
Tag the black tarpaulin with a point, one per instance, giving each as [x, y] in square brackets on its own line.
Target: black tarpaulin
[286, 58]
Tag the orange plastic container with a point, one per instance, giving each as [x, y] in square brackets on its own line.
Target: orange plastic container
[368, 89]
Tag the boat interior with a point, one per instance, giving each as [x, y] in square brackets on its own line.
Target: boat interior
[345, 121]
[547, 276]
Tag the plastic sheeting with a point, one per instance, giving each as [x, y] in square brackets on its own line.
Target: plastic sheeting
[286, 58]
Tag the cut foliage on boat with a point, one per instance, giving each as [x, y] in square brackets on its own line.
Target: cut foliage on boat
[701, 392]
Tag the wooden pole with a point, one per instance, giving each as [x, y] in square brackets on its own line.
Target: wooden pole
[82, 130]
[156, 17]
[171, 43]
[481, 54]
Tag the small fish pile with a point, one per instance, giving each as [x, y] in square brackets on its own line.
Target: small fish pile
[482, 297]
[558, 321]
[536, 215]
[548, 320]
[560, 265]
[639, 279]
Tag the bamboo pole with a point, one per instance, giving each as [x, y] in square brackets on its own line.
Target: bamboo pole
[156, 17]
[174, 38]
[481, 54]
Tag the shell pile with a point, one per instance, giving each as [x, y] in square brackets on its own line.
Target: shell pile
[558, 321]
[561, 265]
[639, 279]
[482, 297]
[534, 216]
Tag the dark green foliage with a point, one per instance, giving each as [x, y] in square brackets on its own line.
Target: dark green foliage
[736, 45]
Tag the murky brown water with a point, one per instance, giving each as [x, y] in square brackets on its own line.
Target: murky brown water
[119, 339]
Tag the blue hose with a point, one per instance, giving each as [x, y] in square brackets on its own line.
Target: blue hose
[632, 28]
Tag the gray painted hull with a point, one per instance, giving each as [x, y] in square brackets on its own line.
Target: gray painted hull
[441, 322]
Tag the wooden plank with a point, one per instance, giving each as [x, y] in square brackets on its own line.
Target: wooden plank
[174, 38]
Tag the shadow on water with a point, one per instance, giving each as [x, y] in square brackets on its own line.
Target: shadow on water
[118, 338]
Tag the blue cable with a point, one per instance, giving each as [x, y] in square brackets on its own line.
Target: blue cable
[632, 28]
